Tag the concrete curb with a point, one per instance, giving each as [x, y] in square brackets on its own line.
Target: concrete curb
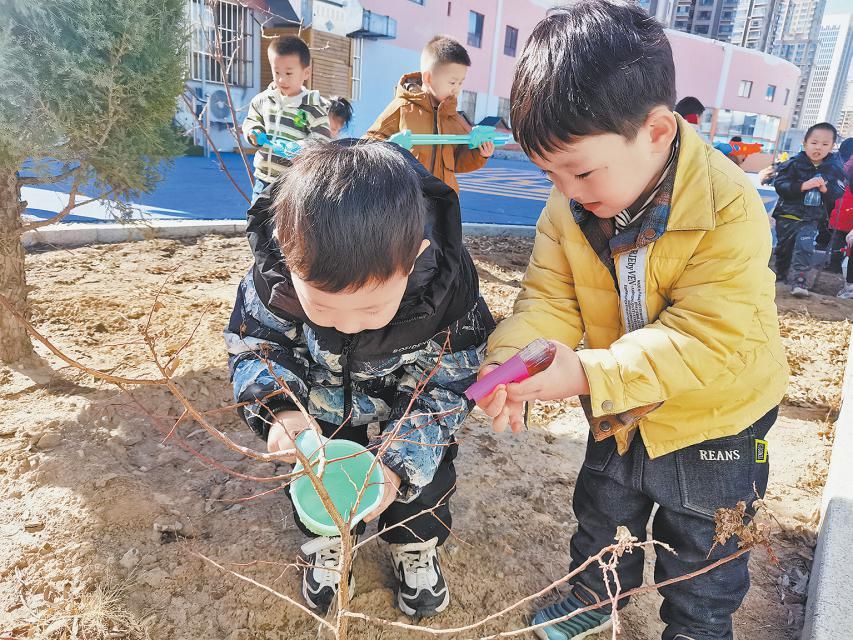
[75, 235]
[829, 607]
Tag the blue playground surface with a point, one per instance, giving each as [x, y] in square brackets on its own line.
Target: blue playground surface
[510, 192]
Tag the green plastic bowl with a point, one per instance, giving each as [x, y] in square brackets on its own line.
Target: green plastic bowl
[343, 479]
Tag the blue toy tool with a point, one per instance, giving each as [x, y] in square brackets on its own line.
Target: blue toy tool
[479, 135]
[284, 148]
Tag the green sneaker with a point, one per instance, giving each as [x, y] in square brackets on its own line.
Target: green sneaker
[581, 626]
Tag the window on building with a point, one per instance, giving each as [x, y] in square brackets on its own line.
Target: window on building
[752, 127]
[236, 39]
[704, 15]
[745, 89]
[503, 109]
[357, 53]
[510, 41]
[468, 104]
[702, 29]
[787, 96]
[420, 2]
[770, 96]
[475, 29]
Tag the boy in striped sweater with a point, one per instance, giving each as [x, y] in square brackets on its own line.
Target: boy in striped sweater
[286, 109]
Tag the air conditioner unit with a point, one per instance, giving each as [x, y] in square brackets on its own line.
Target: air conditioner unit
[217, 106]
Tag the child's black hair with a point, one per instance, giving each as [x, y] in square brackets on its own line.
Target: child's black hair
[821, 126]
[597, 66]
[349, 215]
[736, 139]
[443, 50]
[342, 108]
[292, 46]
[689, 106]
[845, 150]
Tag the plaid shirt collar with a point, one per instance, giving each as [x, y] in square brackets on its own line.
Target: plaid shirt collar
[601, 232]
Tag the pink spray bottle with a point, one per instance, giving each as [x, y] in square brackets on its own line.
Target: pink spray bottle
[533, 359]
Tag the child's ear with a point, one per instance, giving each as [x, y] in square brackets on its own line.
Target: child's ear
[426, 77]
[662, 128]
[306, 73]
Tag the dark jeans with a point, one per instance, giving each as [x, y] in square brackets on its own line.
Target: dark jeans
[688, 485]
[795, 251]
[436, 496]
[836, 247]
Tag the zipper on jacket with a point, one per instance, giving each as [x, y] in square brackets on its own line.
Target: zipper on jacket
[349, 346]
[435, 148]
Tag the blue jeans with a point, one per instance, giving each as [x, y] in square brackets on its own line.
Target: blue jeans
[688, 485]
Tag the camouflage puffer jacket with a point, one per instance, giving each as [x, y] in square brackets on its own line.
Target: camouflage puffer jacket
[369, 377]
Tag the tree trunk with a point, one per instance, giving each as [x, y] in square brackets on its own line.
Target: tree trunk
[15, 343]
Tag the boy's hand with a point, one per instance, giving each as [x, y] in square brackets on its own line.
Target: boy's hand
[814, 183]
[487, 149]
[495, 405]
[392, 487]
[252, 138]
[849, 240]
[565, 378]
[282, 436]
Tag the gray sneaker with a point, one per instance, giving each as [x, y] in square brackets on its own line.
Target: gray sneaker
[322, 574]
[421, 591]
[800, 292]
[847, 292]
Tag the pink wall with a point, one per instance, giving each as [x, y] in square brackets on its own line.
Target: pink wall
[699, 64]
[699, 61]
[416, 24]
[762, 70]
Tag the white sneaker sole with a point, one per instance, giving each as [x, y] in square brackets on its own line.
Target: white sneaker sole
[412, 612]
[604, 626]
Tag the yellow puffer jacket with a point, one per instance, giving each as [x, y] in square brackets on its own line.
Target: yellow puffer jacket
[711, 351]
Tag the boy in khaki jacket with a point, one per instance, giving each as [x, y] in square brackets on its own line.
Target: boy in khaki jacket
[653, 249]
[425, 102]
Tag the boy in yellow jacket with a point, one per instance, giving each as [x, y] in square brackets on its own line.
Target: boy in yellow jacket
[653, 248]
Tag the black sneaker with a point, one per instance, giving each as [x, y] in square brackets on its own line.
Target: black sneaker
[422, 591]
[322, 575]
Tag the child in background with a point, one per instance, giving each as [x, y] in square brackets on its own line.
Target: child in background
[808, 186]
[841, 218]
[691, 109]
[653, 249]
[286, 109]
[426, 103]
[340, 115]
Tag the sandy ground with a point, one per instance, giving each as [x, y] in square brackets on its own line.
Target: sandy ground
[88, 485]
